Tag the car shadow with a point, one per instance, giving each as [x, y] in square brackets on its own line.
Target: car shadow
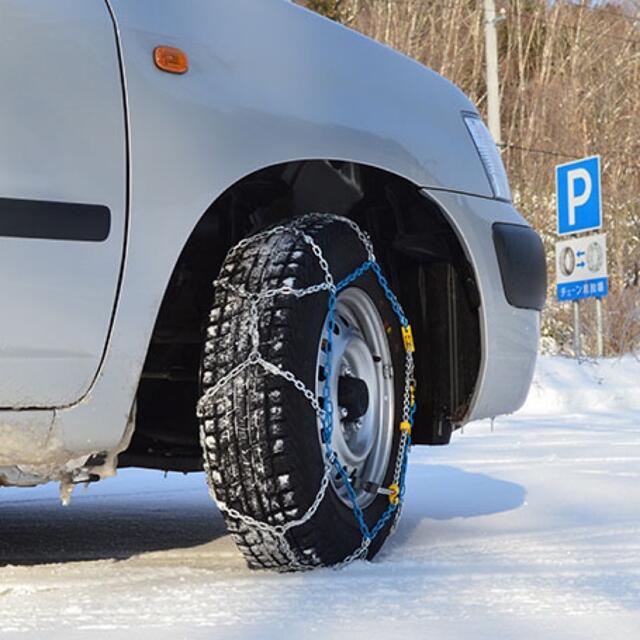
[116, 526]
[442, 493]
[127, 520]
[447, 492]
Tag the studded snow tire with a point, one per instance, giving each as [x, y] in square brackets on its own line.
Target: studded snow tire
[260, 435]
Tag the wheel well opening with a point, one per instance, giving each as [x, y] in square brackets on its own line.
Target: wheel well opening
[416, 246]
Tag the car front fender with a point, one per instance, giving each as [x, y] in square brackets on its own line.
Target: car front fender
[268, 83]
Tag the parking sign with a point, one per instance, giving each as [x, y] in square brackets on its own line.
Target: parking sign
[578, 196]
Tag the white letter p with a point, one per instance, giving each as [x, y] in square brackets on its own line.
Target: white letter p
[573, 176]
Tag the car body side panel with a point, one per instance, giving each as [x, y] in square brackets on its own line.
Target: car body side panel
[62, 197]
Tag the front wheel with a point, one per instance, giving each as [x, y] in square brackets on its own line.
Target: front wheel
[275, 359]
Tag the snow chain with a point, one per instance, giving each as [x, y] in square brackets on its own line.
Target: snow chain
[396, 489]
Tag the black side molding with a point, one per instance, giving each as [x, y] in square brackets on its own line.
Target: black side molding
[46, 220]
[522, 265]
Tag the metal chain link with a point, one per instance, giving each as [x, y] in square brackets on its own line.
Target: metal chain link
[324, 413]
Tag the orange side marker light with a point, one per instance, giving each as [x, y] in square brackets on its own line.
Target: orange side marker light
[171, 59]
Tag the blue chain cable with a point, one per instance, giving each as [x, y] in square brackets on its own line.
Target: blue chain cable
[390, 295]
[327, 425]
[360, 271]
[327, 420]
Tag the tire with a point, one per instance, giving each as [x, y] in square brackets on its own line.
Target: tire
[260, 435]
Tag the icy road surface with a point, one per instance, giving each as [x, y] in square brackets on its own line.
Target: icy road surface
[529, 531]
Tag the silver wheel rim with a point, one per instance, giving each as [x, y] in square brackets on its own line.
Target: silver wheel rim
[360, 350]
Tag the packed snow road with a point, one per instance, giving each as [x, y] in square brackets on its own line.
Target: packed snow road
[530, 530]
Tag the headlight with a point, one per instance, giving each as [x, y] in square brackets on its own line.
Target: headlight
[490, 156]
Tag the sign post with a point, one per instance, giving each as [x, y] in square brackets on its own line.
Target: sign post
[577, 347]
[581, 262]
[599, 328]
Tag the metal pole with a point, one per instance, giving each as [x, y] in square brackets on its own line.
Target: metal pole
[491, 55]
[599, 328]
[576, 329]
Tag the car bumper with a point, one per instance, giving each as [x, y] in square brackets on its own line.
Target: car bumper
[509, 333]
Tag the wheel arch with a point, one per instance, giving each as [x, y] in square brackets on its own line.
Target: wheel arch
[416, 244]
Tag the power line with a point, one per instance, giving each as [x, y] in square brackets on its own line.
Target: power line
[560, 154]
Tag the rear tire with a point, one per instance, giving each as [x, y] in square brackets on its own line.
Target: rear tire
[260, 435]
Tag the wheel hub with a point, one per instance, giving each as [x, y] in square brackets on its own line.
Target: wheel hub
[353, 397]
[361, 391]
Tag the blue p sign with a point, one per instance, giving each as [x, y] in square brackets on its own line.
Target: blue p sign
[578, 196]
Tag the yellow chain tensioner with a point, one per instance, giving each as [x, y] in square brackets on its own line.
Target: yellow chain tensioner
[407, 338]
[394, 495]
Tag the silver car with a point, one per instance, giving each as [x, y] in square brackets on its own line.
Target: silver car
[238, 237]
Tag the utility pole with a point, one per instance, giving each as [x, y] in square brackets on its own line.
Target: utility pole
[491, 55]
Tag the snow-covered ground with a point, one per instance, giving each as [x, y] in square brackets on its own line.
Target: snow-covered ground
[531, 530]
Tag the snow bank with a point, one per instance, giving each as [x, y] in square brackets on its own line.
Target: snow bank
[568, 386]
